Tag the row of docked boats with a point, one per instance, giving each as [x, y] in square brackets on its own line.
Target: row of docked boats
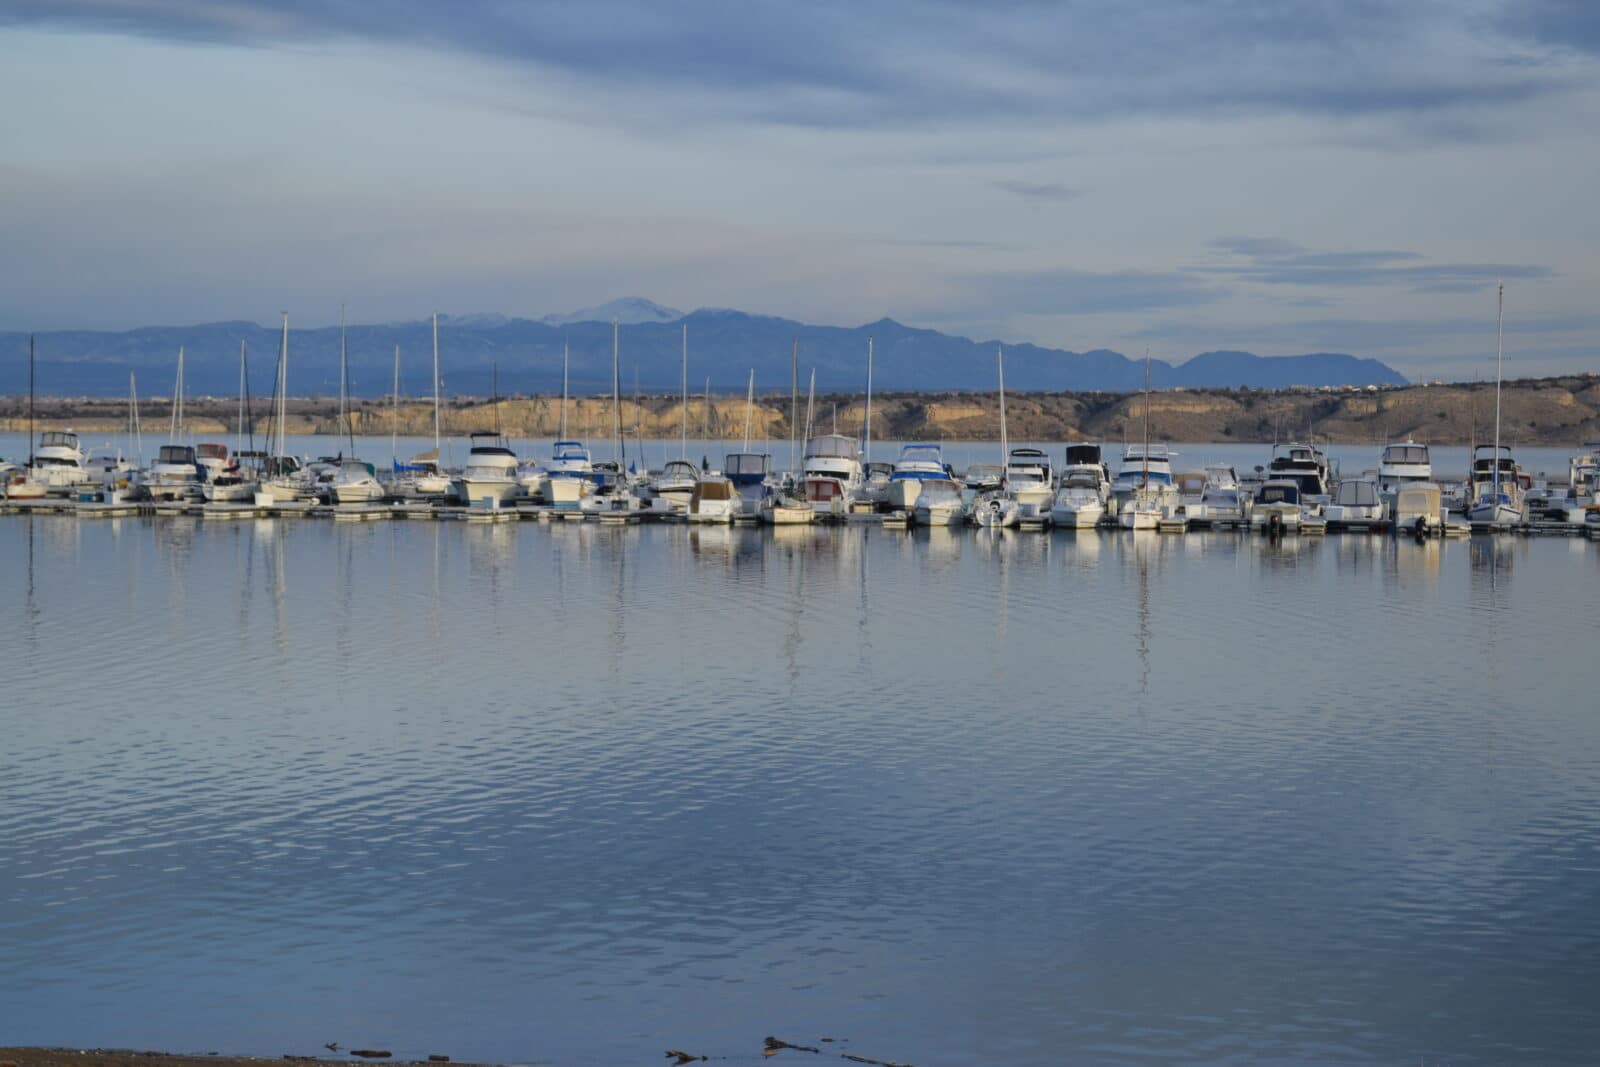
[835, 480]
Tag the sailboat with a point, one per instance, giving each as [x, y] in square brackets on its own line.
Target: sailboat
[616, 501]
[176, 474]
[570, 472]
[784, 505]
[232, 484]
[1496, 495]
[284, 480]
[421, 476]
[1142, 509]
[27, 487]
[997, 507]
[678, 478]
[356, 481]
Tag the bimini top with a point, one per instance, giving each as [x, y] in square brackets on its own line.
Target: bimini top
[1279, 492]
[832, 446]
[921, 462]
[175, 454]
[498, 448]
[570, 450]
[1356, 494]
[746, 467]
[1083, 455]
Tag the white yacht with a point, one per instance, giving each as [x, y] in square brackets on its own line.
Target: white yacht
[1030, 481]
[832, 474]
[939, 503]
[1085, 464]
[1356, 500]
[676, 483]
[1080, 503]
[1306, 466]
[1220, 504]
[175, 475]
[58, 462]
[107, 467]
[1405, 461]
[490, 472]
[1494, 493]
[570, 474]
[213, 459]
[420, 477]
[918, 463]
[234, 485]
[1148, 472]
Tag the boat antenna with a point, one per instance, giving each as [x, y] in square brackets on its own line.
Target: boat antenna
[868, 432]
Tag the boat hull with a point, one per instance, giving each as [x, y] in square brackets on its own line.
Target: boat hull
[477, 490]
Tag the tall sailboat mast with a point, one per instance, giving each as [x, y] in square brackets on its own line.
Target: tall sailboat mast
[749, 407]
[1146, 456]
[868, 435]
[283, 394]
[31, 448]
[616, 392]
[238, 437]
[394, 418]
[1499, 353]
[135, 431]
[1005, 452]
[436, 387]
[175, 417]
[685, 427]
[344, 375]
[565, 356]
[794, 405]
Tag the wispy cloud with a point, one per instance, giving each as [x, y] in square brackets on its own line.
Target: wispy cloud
[824, 65]
[1050, 191]
[1083, 292]
[1275, 261]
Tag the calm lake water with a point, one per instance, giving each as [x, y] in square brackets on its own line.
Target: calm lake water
[575, 795]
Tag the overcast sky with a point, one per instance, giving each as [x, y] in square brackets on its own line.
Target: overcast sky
[1275, 176]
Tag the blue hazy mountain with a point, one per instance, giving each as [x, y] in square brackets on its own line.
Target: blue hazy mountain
[723, 344]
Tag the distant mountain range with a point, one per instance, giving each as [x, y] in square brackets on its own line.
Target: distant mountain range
[723, 344]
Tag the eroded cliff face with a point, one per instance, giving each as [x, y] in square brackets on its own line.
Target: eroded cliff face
[1546, 411]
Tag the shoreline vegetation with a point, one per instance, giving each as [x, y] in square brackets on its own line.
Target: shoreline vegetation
[1536, 412]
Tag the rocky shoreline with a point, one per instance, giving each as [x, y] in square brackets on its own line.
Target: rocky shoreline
[1552, 412]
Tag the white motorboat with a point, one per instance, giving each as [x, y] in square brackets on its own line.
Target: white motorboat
[1417, 505]
[213, 459]
[875, 483]
[570, 474]
[831, 474]
[993, 508]
[1219, 504]
[1356, 500]
[490, 473]
[1085, 465]
[1581, 496]
[714, 500]
[676, 483]
[1079, 504]
[750, 473]
[175, 475]
[1279, 506]
[1142, 509]
[1147, 471]
[783, 508]
[939, 503]
[357, 483]
[918, 463]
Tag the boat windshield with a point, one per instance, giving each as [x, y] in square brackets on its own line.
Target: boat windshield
[1137, 477]
[1406, 454]
[571, 452]
[175, 454]
[680, 468]
[1278, 493]
[58, 439]
[922, 454]
[1361, 494]
[1083, 455]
